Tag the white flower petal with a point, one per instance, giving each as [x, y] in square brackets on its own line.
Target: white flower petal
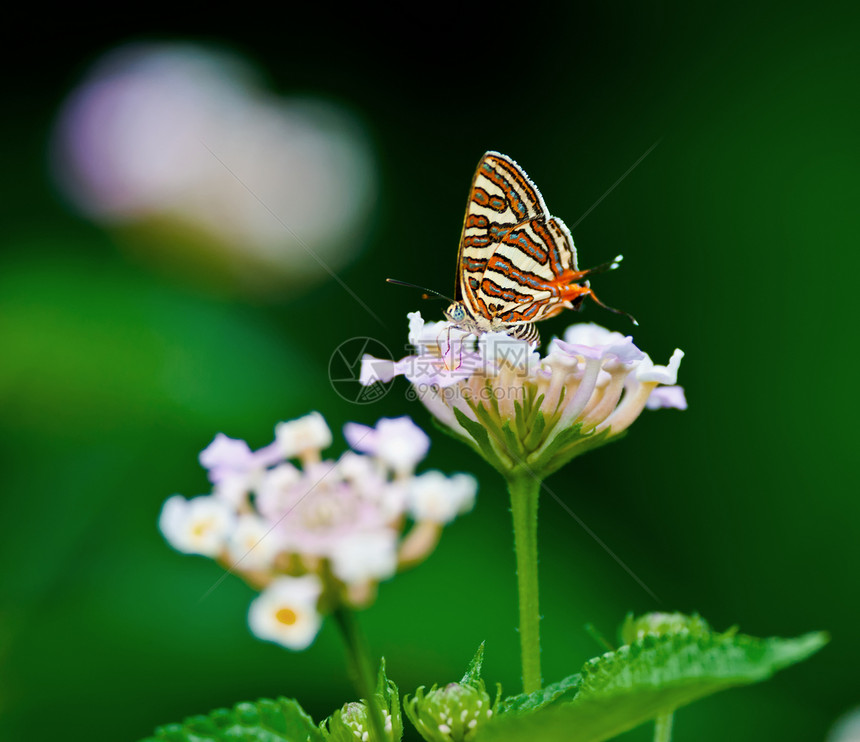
[275, 493]
[401, 444]
[465, 487]
[198, 526]
[375, 370]
[286, 612]
[225, 456]
[591, 334]
[416, 328]
[667, 397]
[308, 433]
[499, 348]
[360, 437]
[233, 490]
[365, 556]
[647, 371]
[436, 498]
[253, 544]
[397, 442]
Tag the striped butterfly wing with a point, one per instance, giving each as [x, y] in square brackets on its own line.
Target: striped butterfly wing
[513, 254]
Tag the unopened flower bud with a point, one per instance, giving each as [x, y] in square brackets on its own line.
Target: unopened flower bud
[661, 624]
[453, 713]
[351, 724]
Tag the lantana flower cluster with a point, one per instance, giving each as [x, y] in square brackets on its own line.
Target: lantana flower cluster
[316, 534]
[525, 411]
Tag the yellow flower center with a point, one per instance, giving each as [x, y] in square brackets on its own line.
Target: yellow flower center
[200, 528]
[286, 616]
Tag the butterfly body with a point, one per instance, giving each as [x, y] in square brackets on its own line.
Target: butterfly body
[517, 263]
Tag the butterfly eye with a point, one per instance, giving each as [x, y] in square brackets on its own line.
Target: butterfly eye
[456, 313]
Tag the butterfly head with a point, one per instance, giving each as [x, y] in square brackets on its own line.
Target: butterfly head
[456, 313]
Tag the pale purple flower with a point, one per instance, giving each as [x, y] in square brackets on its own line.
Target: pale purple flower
[294, 530]
[152, 133]
[445, 356]
[322, 509]
[593, 381]
[667, 397]
[275, 490]
[640, 386]
[226, 457]
[592, 335]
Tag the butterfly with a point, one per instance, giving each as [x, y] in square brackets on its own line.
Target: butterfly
[517, 263]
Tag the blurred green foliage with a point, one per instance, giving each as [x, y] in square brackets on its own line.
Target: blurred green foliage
[739, 233]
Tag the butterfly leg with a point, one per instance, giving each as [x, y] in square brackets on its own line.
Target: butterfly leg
[447, 349]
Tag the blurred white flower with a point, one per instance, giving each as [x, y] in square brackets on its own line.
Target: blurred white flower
[286, 612]
[307, 433]
[253, 544]
[343, 523]
[164, 134]
[323, 510]
[371, 555]
[233, 490]
[274, 492]
[667, 396]
[437, 498]
[397, 442]
[225, 457]
[201, 525]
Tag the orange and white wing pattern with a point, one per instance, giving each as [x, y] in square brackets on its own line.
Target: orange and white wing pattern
[516, 261]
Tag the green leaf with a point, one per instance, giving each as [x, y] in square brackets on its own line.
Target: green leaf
[382, 682]
[282, 720]
[513, 444]
[563, 690]
[473, 671]
[482, 440]
[520, 419]
[456, 435]
[653, 676]
[535, 411]
[389, 696]
[536, 431]
[561, 439]
[585, 443]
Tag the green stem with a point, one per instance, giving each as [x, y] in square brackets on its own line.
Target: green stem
[524, 490]
[663, 727]
[361, 668]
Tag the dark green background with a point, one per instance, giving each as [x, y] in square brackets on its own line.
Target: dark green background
[739, 233]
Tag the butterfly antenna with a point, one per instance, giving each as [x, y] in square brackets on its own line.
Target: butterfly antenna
[435, 294]
[603, 267]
